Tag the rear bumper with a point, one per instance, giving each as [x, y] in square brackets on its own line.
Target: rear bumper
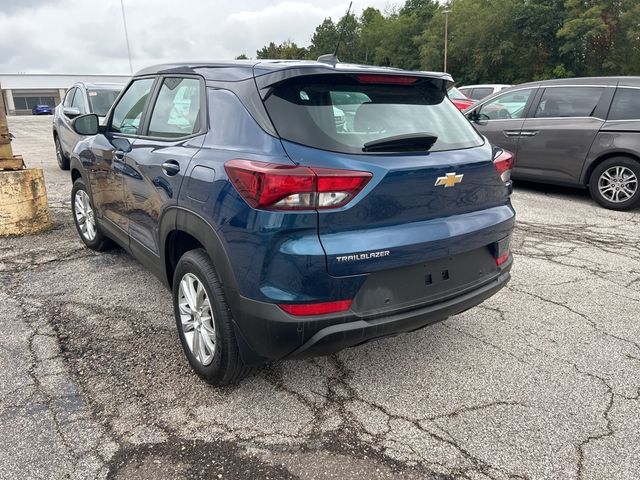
[265, 332]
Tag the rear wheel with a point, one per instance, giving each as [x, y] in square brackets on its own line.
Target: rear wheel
[85, 220]
[614, 183]
[204, 321]
[63, 160]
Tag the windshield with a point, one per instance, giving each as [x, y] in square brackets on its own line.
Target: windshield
[342, 114]
[100, 100]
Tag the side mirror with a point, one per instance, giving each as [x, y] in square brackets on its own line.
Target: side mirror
[71, 112]
[86, 124]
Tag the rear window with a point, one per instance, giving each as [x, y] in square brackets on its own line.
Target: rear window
[101, 100]
[340, 114]
[626, 104]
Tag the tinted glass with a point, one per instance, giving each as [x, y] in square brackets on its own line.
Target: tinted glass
[100, 100]
[480, 93]
[626, 104]
[456, 94]
[314, 111]
[177, 109]
[78, 102]
[569, 102]
[509, 105]
[466, 92]
[69, 97]
[128, 112]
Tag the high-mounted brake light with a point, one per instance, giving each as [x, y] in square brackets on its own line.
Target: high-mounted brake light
[387, 79]
[288, 187]
[304, 309]
[504, 164]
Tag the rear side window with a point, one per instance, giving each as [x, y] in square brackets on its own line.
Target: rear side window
[339, 113]
[626, 104]
[480, 93]
[177, 109]
[569, 102]
[128, 112]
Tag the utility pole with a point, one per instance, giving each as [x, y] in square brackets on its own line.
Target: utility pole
[126, 36]
[446, 36]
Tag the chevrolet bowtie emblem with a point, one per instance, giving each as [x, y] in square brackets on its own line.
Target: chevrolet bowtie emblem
[449, 180]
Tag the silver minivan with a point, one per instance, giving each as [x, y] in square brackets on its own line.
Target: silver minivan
[578, 132]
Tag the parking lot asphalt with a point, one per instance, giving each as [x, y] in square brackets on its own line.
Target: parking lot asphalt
[540, 381]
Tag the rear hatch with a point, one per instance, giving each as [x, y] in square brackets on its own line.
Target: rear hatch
[434, 190]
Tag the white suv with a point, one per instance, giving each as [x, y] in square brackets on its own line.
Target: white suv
[478, 92]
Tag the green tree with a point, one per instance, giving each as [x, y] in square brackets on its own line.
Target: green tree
[242, 56]
[324, 39]
[287, 50]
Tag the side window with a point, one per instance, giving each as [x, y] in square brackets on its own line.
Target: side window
[506, 106]
[78, 102]
[466, 92]
[569, 102]
[69, 97]
[480, 93]
[128, 112]
[177, 109]
[626, 104]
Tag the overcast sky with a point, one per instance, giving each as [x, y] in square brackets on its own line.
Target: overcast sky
[87, 36]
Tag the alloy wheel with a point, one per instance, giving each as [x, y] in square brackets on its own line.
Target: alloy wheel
[84, 215]
[618, 184]
[197, 319]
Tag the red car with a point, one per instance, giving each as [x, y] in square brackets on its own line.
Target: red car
[459, 100]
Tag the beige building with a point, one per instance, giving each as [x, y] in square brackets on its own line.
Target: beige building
[20, 92]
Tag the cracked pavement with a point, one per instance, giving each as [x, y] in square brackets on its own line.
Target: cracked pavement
[542, 381]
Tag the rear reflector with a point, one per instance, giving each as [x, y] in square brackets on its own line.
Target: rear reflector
[387, 79]
[504, 163]
[288, 187]
[304, 309]
[502, 258]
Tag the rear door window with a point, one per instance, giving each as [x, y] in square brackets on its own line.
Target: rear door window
[177, 109]
[569, 102]
[626, 104]
[341, 113]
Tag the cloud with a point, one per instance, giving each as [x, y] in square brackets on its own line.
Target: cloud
[76, 36]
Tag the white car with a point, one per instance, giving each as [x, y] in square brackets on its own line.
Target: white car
[478, 92]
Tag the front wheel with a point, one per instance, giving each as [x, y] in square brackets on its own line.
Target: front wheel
[204, 321]
[63, 160]
[85, 219]
[614, 183]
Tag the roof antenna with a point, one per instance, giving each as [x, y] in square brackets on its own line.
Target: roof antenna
[332, 58]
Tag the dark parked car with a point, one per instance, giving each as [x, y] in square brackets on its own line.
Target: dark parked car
[582, 132]
[281, 233]
[80, 99]
[41, 110]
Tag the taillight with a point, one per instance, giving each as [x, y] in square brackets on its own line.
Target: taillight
[504, 163]
[304, 309]
[502, 258]
[289, 187]
[501, 250]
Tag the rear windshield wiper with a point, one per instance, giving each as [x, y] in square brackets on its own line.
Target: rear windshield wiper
[411, 142]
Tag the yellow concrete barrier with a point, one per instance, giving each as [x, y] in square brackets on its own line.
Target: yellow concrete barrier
[23, 202]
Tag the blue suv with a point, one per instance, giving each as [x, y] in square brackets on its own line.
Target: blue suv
[295, 208]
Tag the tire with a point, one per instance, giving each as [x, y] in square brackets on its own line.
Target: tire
[615, 183]
[207, 338]
[92, 238]
[63, 160]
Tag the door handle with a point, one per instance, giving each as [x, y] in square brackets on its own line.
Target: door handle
[171, 168]
[529, 133]
[511, 133]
